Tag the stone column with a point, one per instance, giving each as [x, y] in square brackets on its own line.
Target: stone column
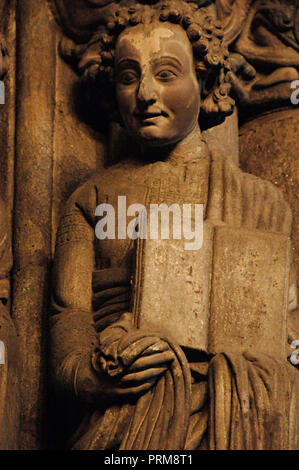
[269, 148]
[9, 361]
[32, 212]
[7, 110]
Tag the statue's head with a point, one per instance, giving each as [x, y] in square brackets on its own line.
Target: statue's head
[159, 70]
[157, 91]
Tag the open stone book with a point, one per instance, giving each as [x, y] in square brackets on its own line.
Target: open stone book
[230, 295]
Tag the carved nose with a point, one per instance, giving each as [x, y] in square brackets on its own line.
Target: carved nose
[146, 92]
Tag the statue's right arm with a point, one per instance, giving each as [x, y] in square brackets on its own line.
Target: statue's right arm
[73, 337]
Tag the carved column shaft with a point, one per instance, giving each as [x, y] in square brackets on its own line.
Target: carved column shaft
[32, 212]
[269, 148]
[7, 110]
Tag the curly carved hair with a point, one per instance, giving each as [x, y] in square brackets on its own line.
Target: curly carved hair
[95, 60]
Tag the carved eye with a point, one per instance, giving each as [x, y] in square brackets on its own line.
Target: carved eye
[128, 77]
[166, 75]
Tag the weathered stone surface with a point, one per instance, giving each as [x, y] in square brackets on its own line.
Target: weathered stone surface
[10, 359]
[143, 378]
[78, 149]
[32, 209]
[7, 111]
[9, 364]
[97, 355]
[247, 304]
[224, 301]
[269, 147]
[188, 275]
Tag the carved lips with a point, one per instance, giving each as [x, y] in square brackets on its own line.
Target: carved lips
[149, 118]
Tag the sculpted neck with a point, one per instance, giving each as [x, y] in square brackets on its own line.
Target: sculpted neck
[190, 148]
[187, 149]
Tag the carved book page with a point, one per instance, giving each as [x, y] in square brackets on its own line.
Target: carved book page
[229, 295]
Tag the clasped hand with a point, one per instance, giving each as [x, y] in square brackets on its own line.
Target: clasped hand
[133, 362]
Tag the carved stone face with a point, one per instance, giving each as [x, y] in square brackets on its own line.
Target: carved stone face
[157, 89]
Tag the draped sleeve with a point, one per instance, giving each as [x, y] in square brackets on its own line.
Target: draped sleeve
[73, 337]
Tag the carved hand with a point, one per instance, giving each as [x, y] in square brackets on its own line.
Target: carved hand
[145, 370]
[131, 360]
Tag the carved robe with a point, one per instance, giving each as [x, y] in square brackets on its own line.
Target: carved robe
[225, 401]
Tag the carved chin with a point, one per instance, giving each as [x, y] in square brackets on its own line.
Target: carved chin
[154, 136]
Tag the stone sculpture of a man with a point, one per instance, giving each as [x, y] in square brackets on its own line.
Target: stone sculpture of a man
[161, 69]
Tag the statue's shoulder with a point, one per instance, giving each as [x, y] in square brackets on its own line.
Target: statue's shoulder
[86, 197]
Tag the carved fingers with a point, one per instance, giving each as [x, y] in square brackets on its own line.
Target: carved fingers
[142, 347]
[141, 360]
[147, 359]
[144, 373]
[154, 360]
[134, 390]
